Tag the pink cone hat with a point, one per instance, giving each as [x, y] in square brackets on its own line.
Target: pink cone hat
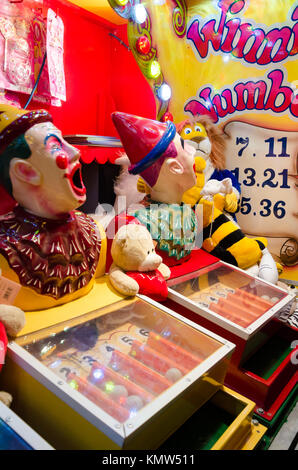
[144, 140]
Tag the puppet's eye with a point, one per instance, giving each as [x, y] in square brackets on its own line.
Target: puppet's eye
[198, 129]
[187, 130]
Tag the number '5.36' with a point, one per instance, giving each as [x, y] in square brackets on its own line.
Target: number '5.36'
[266, 209]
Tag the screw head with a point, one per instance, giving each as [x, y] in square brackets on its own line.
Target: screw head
[8, 419]
[255, 422]
[260, 411]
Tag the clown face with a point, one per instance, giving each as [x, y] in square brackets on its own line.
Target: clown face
[185, 157]
[49, 182]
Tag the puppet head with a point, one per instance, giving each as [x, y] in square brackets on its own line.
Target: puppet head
[37, 166]
[158, 154]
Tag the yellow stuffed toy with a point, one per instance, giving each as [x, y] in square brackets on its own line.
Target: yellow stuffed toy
[210, 145]
[193, 195]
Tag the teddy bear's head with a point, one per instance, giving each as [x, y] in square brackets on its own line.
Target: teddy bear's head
[133, 249]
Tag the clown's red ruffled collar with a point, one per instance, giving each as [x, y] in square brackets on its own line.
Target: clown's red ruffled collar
[53, 257]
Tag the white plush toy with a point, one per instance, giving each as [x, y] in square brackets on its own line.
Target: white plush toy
[213, 187]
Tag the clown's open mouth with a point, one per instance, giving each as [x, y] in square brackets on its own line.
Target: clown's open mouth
[76, 181]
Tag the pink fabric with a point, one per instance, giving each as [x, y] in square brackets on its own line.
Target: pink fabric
[3, 344]
[16, 47]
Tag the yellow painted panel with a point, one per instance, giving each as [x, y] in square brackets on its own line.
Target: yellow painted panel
[101, 295]
[257, 433]
[100, 8]
[242, 434]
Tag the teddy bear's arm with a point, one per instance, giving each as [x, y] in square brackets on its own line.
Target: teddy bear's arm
[122, 282]
[6, 398]
[164, 270]
[13, 319]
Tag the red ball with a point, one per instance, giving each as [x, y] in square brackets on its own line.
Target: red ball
[143, 45]
[167, 117]
[62, 161]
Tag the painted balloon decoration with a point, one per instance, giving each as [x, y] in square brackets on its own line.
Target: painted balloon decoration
[236, 61]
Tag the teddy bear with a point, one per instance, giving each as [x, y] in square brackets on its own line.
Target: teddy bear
[12, 320]
[136, 267]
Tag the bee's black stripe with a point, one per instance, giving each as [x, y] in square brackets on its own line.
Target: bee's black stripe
[261, 245]
[221, 219]
[230, 239]
[224, 256]
[221, 248]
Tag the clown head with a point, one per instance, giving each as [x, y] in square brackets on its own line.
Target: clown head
[158, 154]
[37, 166]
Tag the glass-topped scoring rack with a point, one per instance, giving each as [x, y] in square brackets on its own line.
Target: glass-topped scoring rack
[229, 297]
[124, 365]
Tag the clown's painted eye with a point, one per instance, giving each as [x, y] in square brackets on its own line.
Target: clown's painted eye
[187, 130]
[198, 129]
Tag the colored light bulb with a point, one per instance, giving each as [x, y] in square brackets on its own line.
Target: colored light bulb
[167, 117]
[164, 92]
[139, 13]
[154, 69]
[143, 45]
